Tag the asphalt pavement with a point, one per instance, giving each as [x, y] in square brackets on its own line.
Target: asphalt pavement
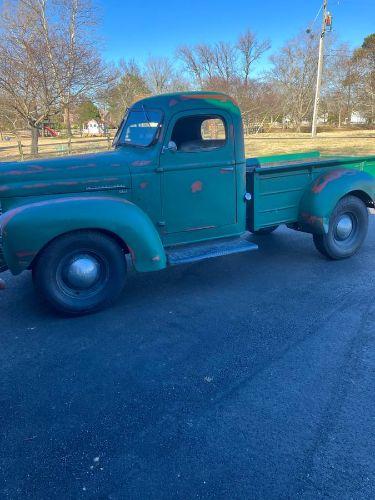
[249, 376]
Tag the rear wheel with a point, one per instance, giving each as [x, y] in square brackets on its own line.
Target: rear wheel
[80, 272]
[265, 230]
[347, 231]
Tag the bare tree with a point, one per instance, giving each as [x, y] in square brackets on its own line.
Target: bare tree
[10, 120]
[364, 72]
[192, 63]
[68, 28]
[159, 74]
[338, 95]
[129, 87]
[46, 60]
[294, 76]
[226, 67]
[27, 80]
[223, 61]
[251, 50]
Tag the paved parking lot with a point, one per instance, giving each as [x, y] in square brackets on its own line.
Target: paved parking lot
[251, 376]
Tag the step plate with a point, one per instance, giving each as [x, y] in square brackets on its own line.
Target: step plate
[209, 250]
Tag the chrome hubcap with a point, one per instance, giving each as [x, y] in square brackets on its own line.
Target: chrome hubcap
[344, 227]
[82, 272]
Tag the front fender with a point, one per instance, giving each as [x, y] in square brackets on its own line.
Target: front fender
[321, 197]
[27, 228]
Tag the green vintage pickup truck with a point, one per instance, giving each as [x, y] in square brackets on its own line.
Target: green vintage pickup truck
[176, 188]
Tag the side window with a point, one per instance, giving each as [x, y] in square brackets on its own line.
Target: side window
[199, 133]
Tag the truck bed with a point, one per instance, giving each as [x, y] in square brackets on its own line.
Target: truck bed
[278, 182]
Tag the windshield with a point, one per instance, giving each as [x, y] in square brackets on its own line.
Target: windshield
[140, 127]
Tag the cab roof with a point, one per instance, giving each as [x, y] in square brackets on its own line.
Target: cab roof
[183, 101]
[178, 102]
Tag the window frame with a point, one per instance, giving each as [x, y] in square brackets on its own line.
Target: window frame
[116, 141]
[207, 116]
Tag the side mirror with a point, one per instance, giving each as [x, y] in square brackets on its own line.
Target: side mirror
[171, 146]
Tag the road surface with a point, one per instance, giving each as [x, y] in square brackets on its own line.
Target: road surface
[249, 376]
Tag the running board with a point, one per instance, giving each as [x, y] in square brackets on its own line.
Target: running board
[209, 249]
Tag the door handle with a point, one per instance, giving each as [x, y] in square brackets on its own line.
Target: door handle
[227, 169]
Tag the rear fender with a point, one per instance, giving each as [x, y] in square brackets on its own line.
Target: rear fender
[321, 197]
[27, 228]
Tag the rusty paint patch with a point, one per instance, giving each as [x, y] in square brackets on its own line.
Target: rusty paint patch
[24, 253]
[198, 228]
[313, 220]
[34, 169]
[140, 163]
[39, 185]
[321, 183]
[196, 186]
[78, 167]
[132, 253]
[172, 102]
[104, 179]
[143, 185]
[66, 183]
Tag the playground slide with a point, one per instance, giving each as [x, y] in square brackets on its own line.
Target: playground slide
[51, 131]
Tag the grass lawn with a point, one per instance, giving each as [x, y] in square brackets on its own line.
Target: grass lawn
[356, 142]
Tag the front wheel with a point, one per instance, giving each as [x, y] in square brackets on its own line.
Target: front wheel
[347, 231]
[80, 272]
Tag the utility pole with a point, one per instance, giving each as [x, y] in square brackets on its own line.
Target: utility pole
[320, 68]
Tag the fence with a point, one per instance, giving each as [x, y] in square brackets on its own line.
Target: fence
[51, 147]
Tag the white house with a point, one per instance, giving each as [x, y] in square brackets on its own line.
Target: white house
[357, 118]
[93, 127]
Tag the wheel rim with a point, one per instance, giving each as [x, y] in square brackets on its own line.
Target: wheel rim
[82, 274]
[344, 227]
[345, 230]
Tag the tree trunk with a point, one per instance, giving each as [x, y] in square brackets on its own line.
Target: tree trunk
[340, 118]
[34, 140]
[67, 122]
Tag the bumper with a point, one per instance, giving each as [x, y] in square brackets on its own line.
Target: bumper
[3, 266]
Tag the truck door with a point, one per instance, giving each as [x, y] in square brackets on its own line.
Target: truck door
[198, 170]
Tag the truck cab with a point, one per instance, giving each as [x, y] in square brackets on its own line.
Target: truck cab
[175, 188]
[190, 164]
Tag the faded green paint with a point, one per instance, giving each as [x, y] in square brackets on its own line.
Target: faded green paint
[306, 192]
[150, 198]
[320, 199]
[29, 227]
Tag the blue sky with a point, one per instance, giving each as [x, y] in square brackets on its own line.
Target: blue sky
[137, 29]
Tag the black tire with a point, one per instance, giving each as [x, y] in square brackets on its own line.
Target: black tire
[266, 230]
[318, 242]
[348, 226]
[80, 272]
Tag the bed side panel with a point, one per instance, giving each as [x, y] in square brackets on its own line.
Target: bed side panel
[277, 195]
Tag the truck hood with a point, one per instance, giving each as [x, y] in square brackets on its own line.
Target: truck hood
[70, 174]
